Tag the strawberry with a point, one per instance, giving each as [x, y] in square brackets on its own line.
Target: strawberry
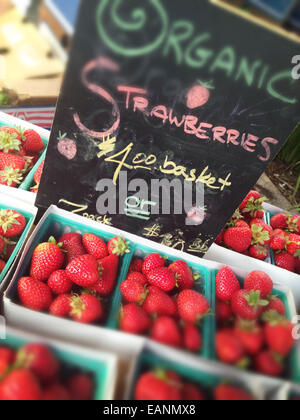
[2, 265]
[72, 244]
[81, 387]
[279, 221]
[223, 311]
[134, 319]
[276, 305]
[40, 361]
[152, 262]
[183, 274]
[61, 306]
[20, 385]
[159, 303]
[261, 234]
[95, 246]
[166, 331]
[37, 176]
[294, 224]
[136, 266]
[133, 292]
[229, 348]
[192, 339]
[12, 223]
[279, 334]
[268, 363]
[137, 277]
[7, 358]
[84, 271]
[220, 238]
[33, 142]
[9, 142]
[258, 280]
[12, 168]
[286, 261]
[118, 246]
[238, 238]
[157, 386]
[248, 305]
[297, 265]
[293, 243]
[56, 392]
[251, 336]
[252, 206]
[259, 252]
[191, 393]
[278, 240]
[108, 267]
[231, 393]
[59, 282]
[86, 309]
[162, 278]
[251, 196]
[12, 130]
[46, 258]
[192, 306]
[226, 284]
[34, 294]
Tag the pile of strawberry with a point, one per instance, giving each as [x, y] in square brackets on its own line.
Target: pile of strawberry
[160, 301]
[37, 177]
[163, 385]
[253, 331]
[247, 233]
[33, 373]
[286, 241]
[12, 225]
[19, 152]
[72, 278]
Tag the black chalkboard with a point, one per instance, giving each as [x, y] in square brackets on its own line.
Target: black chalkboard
[168, 90]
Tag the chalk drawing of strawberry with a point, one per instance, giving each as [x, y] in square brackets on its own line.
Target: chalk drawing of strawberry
[198, 95]
[66, 147]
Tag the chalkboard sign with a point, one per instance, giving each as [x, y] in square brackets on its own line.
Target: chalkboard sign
[163, 100]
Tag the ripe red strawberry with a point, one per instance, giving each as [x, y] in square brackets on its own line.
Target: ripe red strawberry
[12, 168]
[251, 336]
[157, 386]
[34, 294]
[252, 206]
[2, 265]
[276, 305]
[10, 141]
[108, 267]
[12, 223]
[162, 278]
[247, 304]
[223, 311]
[191, 393]
[258, 280]
[136, 266]
[134, 319]
[259, 252]
[279, 335]
[192, 306]
[137, 277]
[278, 240]
[38, 173]
[183, 274]
[152, 262]
[72, 244]
[286, 261]
[12, 130]
[231, 393]
[7, 358]
[192, 339]
[81, 387]
[60, 283]
[268, 363]
[159, 303]
[20, 385]
[238, 238]
[226, 284]
[118, 246]
[251, 196]
[47, 258]
[95, 246]
[261, 234]
[229, 348]
[166, 331]
[279, 221]
[294, 224]
[292, 243]
[56, 392]
[40, 360]
[84, 271]
[61, 306]
[133, 292]
[86, 309]
[33, 141]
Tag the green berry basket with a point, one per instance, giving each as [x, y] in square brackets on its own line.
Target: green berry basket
[100, 366]
[202, 285]
[292, 372]
[10, 121]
